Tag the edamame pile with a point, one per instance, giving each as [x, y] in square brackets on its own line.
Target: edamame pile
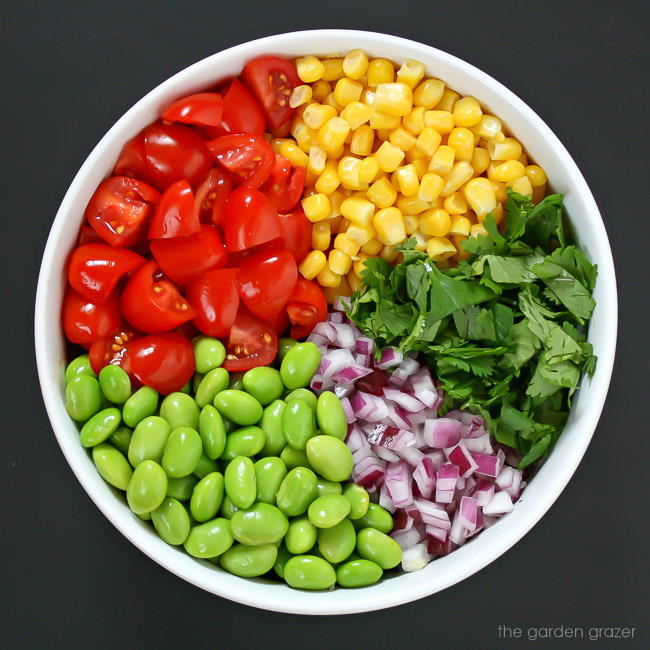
[250, 471]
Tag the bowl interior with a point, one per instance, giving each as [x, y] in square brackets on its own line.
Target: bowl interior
[564, 176]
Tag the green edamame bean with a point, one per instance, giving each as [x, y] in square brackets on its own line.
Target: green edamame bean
[309, 572]
[283, 557]
[182, 452]
[297, 491]
[148, 440]
[196, 380]
[238, 406]
[112, 466]
[181, 488]
[331, 416]
[358, 573]
[284, 345]
[327, 511]
[209, 353]
[375, 517]
[79, 366]
[263, 383]
[269, 474]
[147, 487]
[240, 482]
[171, 521]
[304, 394]
[378, 547]
[327, 487]
[187, 388]
[213, 431]
[336, 543]
[207, 497]
[142, 404]
[249, 561]
[298, 423]
[299, 365]
[228, 508]
[115, 384]
[235, 381]
[359, 500]
[83, 398]
[205, 466]
[262, 523]
[301, 535]
[180, 410]
[99, 427]
[271, 424]
[121, 439]
[145, 516]
[247, 441]
[330, 457]
[209, 539]
[212, 383]
[293, 458]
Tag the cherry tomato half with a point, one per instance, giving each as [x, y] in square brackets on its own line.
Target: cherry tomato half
[151, 303]
[175, 215]
[84, 321]
[307, 306]
[165, 362]
[211, 196]
[203, 109]
[95, 269]
[252, 343]
[119, 209]
[88, 236]
[242, 112]
[183, 258]
[249, 157]
[214, 297]
[272, 79]
[112, 350]
[285, 184]
[296, 233]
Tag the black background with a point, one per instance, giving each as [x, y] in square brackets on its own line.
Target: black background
[68, 71]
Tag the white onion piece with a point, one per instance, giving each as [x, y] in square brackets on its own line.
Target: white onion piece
[415, 558]
[500, 504]
[406, 538]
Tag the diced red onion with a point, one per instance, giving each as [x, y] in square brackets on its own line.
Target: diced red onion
[446, 482]
[405, 369]
[347, 409]
[402, 520]
[399, 416]
[438, 533]
[369, 407]
[386, 454]
[398, 480]
[480, 445]
[390, 357]
[484, 493]
[437, 458]
[385, 499]
[459, 456]
[341, 303]
[404, 400]
[425, 477]
[317, 339]
[412, 455]
[355, 438]
[487, 464]
[365, 346]
[468, 513]
[349, 374]
[441, 433]
[369, 472]
[335, 317]
[342, 391]
[406, 538]
[457, 534]
[509, 479]
[343, 335]
[500, 504]
[415, 558]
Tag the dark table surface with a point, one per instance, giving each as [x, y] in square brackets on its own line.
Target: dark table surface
[69, 579]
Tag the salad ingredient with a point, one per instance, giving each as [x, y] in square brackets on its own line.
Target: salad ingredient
[242, 113]
[214, 298]
[147, 487]
[99, 427]
[210, 384]
[240, 482]
[329, 457]
[112, 349]
[301, 535]
[269, 474]
[182, 452]
[238, 406]
[284, 189]
[330, 415]
[175, 215]
[249, 561]
[299, 365]
[212, 429]
[112, 466]
[306, 307]
[248, 157]
[297, 491]
[148, 440]
[252, 343]
[378, 547]
[180, 410]
[85, 321]
[271, 424]
[115, 384]
[209, 539]
[309, 572]
[83, 397]
[262, 523]
[247, 441]
[209, 354]
[207, 497]
[79, 366]
[336, 543]
[202, 109]
[298, 423]
[328, 510]
[171, 521]
[358, 573]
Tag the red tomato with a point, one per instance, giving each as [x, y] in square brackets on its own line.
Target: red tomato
[88, 236]
[183, 258]
[285, 184]
[296, 233]
[165, 362]
[280, 322]
[215, 299]
[151, 303]
[249, 157]
[266, 280]
[133, 159]
[272, 79]
[119, 209]
[112, 349]
[252, 343]
[250, 219]
[95, 269]
[175, 215]
[211, 196]
[85, 322]
[242, 113]
[203, 109]
[306, 307]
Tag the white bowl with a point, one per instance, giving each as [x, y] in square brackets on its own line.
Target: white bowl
[545, 149]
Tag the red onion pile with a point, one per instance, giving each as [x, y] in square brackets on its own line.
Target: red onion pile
[444, 479]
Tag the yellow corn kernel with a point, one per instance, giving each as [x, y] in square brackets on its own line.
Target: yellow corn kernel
[355, 113]
[329, 180]
[380, 121]
[317, 159]
[316, 207]
[300, 95]
[460, 225]
[347, 91]
[355, 64]
[389, 254]
[414, 121]
[372, 247]
[359, 265]
[506, 149]
[305, 137]
[313, 264]
[415, 154]
[440, 248]
[362, 141]
[393, 98]
[359, 235]
[522, 186]
[383, 134]
[410, 223]
[327, 278]
[401, 138]
[349, 170]
[480, 195]
[442, 160]
[293, 153]
[320, 90]
[421, 166]
[539, 193]
[467, 112]
[338, 262]
[523, 159]
[336, 198]
[411, 73]
[456, 203]
[389, 225]
[336, 225]
[478, 229]
[480, 160]
[430, 187]
[330, 100]
[332, 135]
[380, 71]
[411, 204]
[321, 233]
[508, 171]
[382, 193]
[333, 69]
[428, 93]
[435, 222]
[499, 192]
[536, 175]
[309, 69]
[310, 178]
[441, 121]
[459, 174]
[487, 127]
[353, 281]
[457, 241]
[428, 141]
[447, 101]
[358, 210]
[316, 115]
[498, 213]
[367, 96]
[407, 180]
[462, 140]
[389, 157]
[420, 241]
[368, 170]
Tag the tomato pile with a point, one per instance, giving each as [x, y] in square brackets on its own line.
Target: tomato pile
[198, 230]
